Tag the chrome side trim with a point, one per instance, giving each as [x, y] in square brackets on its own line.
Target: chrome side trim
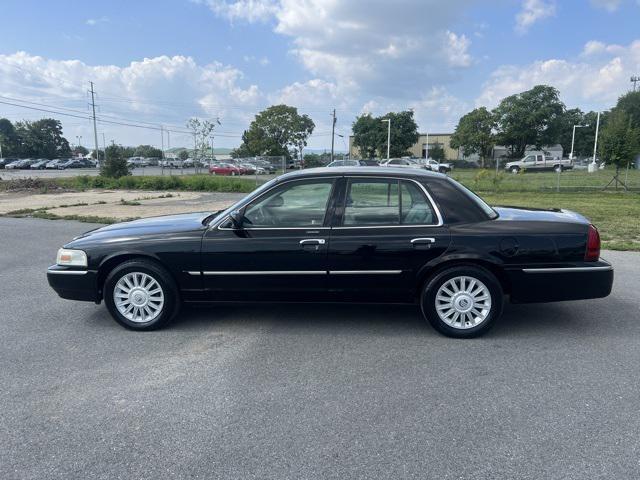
[365, 272]
[567, 269]
[192, 273]
[68, 272]
[269, 272]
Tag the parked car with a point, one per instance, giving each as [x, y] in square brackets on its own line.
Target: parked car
[436, 166]
[70, 163]
[358, 234]
[224, 169]
[247, 168]
[5, 161]
[53, 164]
[539, 162]
[20, 164]
[402, 163]
[40, 164]
[353, 163]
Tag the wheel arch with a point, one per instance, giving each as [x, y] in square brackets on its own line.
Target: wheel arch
[112, 261]
[431, 270]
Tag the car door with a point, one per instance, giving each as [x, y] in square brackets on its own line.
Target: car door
[385, 231]
[280, 253]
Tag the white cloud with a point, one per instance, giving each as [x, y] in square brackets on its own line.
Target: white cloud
[95, 21]
[161, 90]
[533, 11]
[245, 10]
[610, 5]
[592, 83]
[359, 44]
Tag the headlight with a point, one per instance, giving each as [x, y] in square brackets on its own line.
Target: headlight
[71, 258]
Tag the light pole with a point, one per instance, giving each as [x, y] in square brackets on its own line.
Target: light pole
[573, 138]
[388, 120]
[592, 166]
[79, 139]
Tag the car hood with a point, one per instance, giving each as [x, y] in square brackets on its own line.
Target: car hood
[146, 226]
[538, 215]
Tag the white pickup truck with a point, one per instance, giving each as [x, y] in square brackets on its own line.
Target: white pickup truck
[538, 162]
[435, 166]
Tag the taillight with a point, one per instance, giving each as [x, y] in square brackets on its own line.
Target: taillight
[593, 245]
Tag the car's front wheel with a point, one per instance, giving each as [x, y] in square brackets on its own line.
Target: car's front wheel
[141, 295]
[515, 170]
[462, 301]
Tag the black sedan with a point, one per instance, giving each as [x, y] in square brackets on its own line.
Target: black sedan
[341, 234]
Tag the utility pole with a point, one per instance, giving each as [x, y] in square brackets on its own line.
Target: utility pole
[333, 132]
[635, 79]
[95, 128]
[573, 138]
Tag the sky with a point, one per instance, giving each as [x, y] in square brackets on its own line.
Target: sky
[158, 63]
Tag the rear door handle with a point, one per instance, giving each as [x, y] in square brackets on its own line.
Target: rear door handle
[423, 242]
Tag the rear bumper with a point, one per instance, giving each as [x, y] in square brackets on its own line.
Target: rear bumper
[554, 284]
[74, 284]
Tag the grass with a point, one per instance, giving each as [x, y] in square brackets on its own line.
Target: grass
[617, 215]
[574, 180]
[194, 183]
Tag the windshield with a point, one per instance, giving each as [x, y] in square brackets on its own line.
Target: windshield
[240, 203]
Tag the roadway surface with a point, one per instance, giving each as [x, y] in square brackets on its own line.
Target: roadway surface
[341, 392]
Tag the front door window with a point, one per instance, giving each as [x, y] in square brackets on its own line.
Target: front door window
[293, 205]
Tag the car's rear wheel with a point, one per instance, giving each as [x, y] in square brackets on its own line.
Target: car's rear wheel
[558, 168]
[462, 301]
[141, 295]
[515, 170]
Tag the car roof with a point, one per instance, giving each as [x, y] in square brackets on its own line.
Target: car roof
[362, 171]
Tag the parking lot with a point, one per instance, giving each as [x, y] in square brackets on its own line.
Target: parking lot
[299, 391]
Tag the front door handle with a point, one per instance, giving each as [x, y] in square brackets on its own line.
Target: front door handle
[423, 242]
[312, 243]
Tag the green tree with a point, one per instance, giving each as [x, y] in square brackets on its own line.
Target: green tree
[367, 135]
[184, 154]
[630, 103]
[619, 142]
[370, 134]
[475, 134]
[529, 118]
[275, 131]
[115, 164]
[42, 139]
[8, 138]
[147, 151]
[80, 150]
[437, 153]
[404, 133]
[585, 135]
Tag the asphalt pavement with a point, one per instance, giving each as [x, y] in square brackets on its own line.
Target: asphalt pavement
[300, 391]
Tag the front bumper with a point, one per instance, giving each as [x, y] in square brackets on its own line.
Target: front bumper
[555, 284]
[74, 284]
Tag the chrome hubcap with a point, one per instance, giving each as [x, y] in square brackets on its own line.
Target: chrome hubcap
[463, 302]
[138, 297]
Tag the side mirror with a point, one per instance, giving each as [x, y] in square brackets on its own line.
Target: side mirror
[237, 219]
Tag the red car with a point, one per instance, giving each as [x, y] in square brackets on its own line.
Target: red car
[224, 169]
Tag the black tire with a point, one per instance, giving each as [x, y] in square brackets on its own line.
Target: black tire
[558, 168]
[430, 290]
[515, 170]
[170, 307]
